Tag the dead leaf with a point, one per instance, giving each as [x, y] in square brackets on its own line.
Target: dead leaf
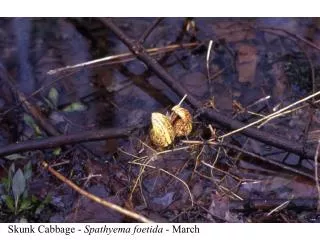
[86, 210]
[196, 83]
[233, 31]
[247, 62]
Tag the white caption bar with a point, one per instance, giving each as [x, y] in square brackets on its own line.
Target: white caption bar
[140, 231]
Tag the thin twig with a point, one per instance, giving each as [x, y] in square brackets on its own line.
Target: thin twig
[30, 108]
[241, 150]
[42, 88]
[123, 57]
[138, 179]
[287, 112]
[181, 101]
[220, 170]
[272, 115]
[96, 199]
[295, 36]
[211, 114]
[259, 101]
[217, 74]
[179, 104]
[172, 175]
[208, 66]
[149, 30]
[279, 208]
[223, 189]
[270, 161]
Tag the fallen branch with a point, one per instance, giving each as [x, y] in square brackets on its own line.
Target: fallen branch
[269, 161]
[253, 155]
[213, 115]
[57, 141]
[96, 199]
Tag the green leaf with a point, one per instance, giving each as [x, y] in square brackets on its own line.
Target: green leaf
[37, 130]
[27, 171]
[15, 156]
[57, 151]
[18, 185]
[75, 107]
[34, 199]
[47, 199]
[53, 96]
[28, 120]
[9, 202]
[25, 204]
[42, 205]
[49, 103]
[32, 124]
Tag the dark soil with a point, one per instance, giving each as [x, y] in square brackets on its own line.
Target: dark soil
[249, 71]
